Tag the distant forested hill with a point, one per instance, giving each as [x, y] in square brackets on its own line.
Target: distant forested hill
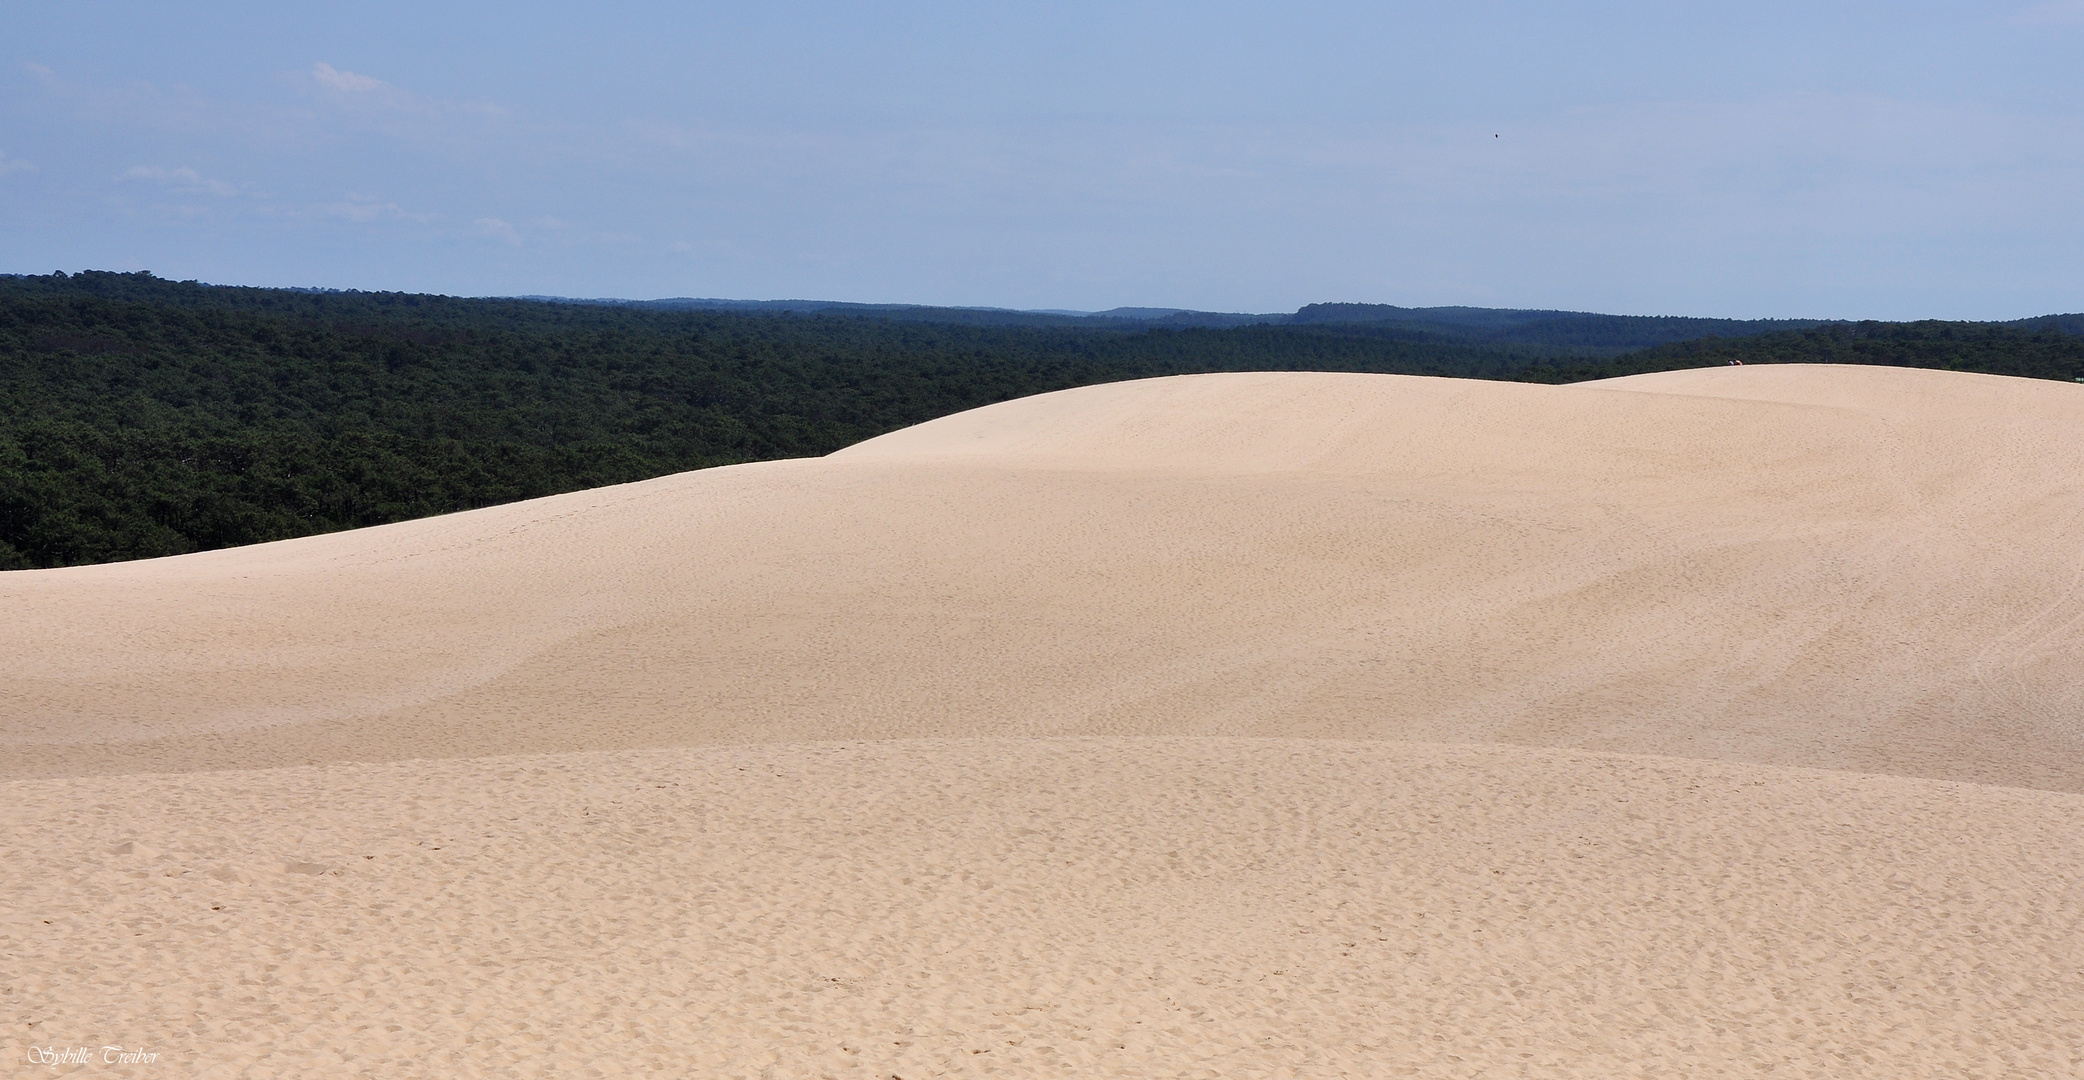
[143, 417]
[1558, 332]
[1529, 332]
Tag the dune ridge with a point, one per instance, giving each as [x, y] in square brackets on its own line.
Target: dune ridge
[1725, 723]
[1868, 569]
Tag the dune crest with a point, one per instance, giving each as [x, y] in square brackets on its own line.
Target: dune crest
[1832, 567]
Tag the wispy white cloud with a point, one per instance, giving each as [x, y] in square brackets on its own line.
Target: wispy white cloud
[183, 180]
[8, 166]
[363, 209]
[498, 230]
[348, 82]
[352, 91]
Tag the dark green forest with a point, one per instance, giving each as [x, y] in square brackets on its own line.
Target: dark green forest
[2034, 349]
[141, 417]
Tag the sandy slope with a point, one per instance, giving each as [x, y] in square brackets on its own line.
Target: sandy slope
[1125, 907]
[1868, 569]
[1224, 594]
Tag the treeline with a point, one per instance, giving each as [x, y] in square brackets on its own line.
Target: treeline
[141, 417]
[2034, 349]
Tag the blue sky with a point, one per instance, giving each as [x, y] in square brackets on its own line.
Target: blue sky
[1883, 160]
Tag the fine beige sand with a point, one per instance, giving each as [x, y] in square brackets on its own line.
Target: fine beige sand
[1713, 723]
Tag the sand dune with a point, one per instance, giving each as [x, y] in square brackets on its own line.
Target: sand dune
[1224, 726]
[1866, 569]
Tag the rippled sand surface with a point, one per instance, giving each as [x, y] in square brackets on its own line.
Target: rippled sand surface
[1713, 723]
